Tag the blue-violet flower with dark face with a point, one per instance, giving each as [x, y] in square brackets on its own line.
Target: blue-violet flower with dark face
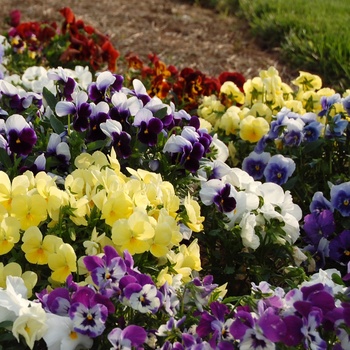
[339, 248]
[279, 169]
[255, 164]
[340, 198]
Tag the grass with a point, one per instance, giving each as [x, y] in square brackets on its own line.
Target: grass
[312, 35]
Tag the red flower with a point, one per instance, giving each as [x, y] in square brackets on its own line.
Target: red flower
[15, 18]
[235, 77]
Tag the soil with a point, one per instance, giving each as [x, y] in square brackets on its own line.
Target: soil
[181, 34]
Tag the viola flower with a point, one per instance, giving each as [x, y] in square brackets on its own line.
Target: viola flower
[80, 109]
[221, 194]
[279, 169]
[9, 234]
[252, 129]
[106, 271]
[105, 86]
[144, 298]
[58, 149]
[255, 164]
[139, 91]
[327, 103]
[312, 131]
[121, 140]
[98, 115]
[318, 224]
[60, 334]
[340, 198]
[88, 315]
[149, 126]
[20, 135]
[66, 85]
[129, 338]
[319, 203]
[339, 248]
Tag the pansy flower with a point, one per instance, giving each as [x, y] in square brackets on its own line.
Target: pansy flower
[80, 109]
[20, 135]
[131, 337]
[339, 248]
[340, 198]
[279, 169]
[255, 164]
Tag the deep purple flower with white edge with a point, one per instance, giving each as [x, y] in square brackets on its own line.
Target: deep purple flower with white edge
[149, 127]
[66, 84]
[131, 337]
[339, 248]
[255, 164]
[104, 87]
[319, 203]
[98, 115]
[220, 193]
[106, 271]
[120, 140]
[318, 225]
[336, 127]
[88, 314]
[340, 198]
[80, 109]
[144, 298]
[21, 136]
[279, 169]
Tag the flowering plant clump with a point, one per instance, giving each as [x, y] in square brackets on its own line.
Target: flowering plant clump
[128, 221]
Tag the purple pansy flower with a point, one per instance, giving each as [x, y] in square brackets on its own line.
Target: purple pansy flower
[317, 225]
[220, 193]
[149, 126]
[339, 248]
[106, 84]
[312, 131]
[340, 198]
[20, 136]
[106, 271]
[80, 109]
[88, 314]
[66, 84]
[279, 169]
[121, 141]
[255, 164]
[98, 115]
[327, 102]
[319, 203]
[131, 337]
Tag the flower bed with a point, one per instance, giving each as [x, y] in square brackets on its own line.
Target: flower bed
[165, 209]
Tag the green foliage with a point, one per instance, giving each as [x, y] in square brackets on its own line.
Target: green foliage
[312, 36]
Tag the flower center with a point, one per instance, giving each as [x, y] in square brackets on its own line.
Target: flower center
[18, 141]
[346, 202]
[73, 335]
[347, 252]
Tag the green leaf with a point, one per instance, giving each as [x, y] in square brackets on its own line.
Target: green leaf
[50, 98]
[5, 159]
[161, 113]
[56, 124]
[93, 146]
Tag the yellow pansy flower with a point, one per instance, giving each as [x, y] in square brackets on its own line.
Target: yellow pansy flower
[307, 81]
[62, 263]
[134, 234]
[9, 234]
[253, 129]
[230, 120]
[193, 211]
[232, 91]
[37, 249]
[8, 190]
[30, 210]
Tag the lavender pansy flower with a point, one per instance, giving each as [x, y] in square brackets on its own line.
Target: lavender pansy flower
[336, 127]
[255, 164]
[327, 102]
[340, 198]
[279, 169]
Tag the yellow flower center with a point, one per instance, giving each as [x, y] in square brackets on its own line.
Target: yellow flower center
[279, 175]
[347, 252]
[346, 202]
[18, 141]
[73, 335]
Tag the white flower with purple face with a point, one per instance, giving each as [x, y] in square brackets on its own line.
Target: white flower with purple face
[88, 316]
[279, 169]
[143, 298]
[21, 136]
